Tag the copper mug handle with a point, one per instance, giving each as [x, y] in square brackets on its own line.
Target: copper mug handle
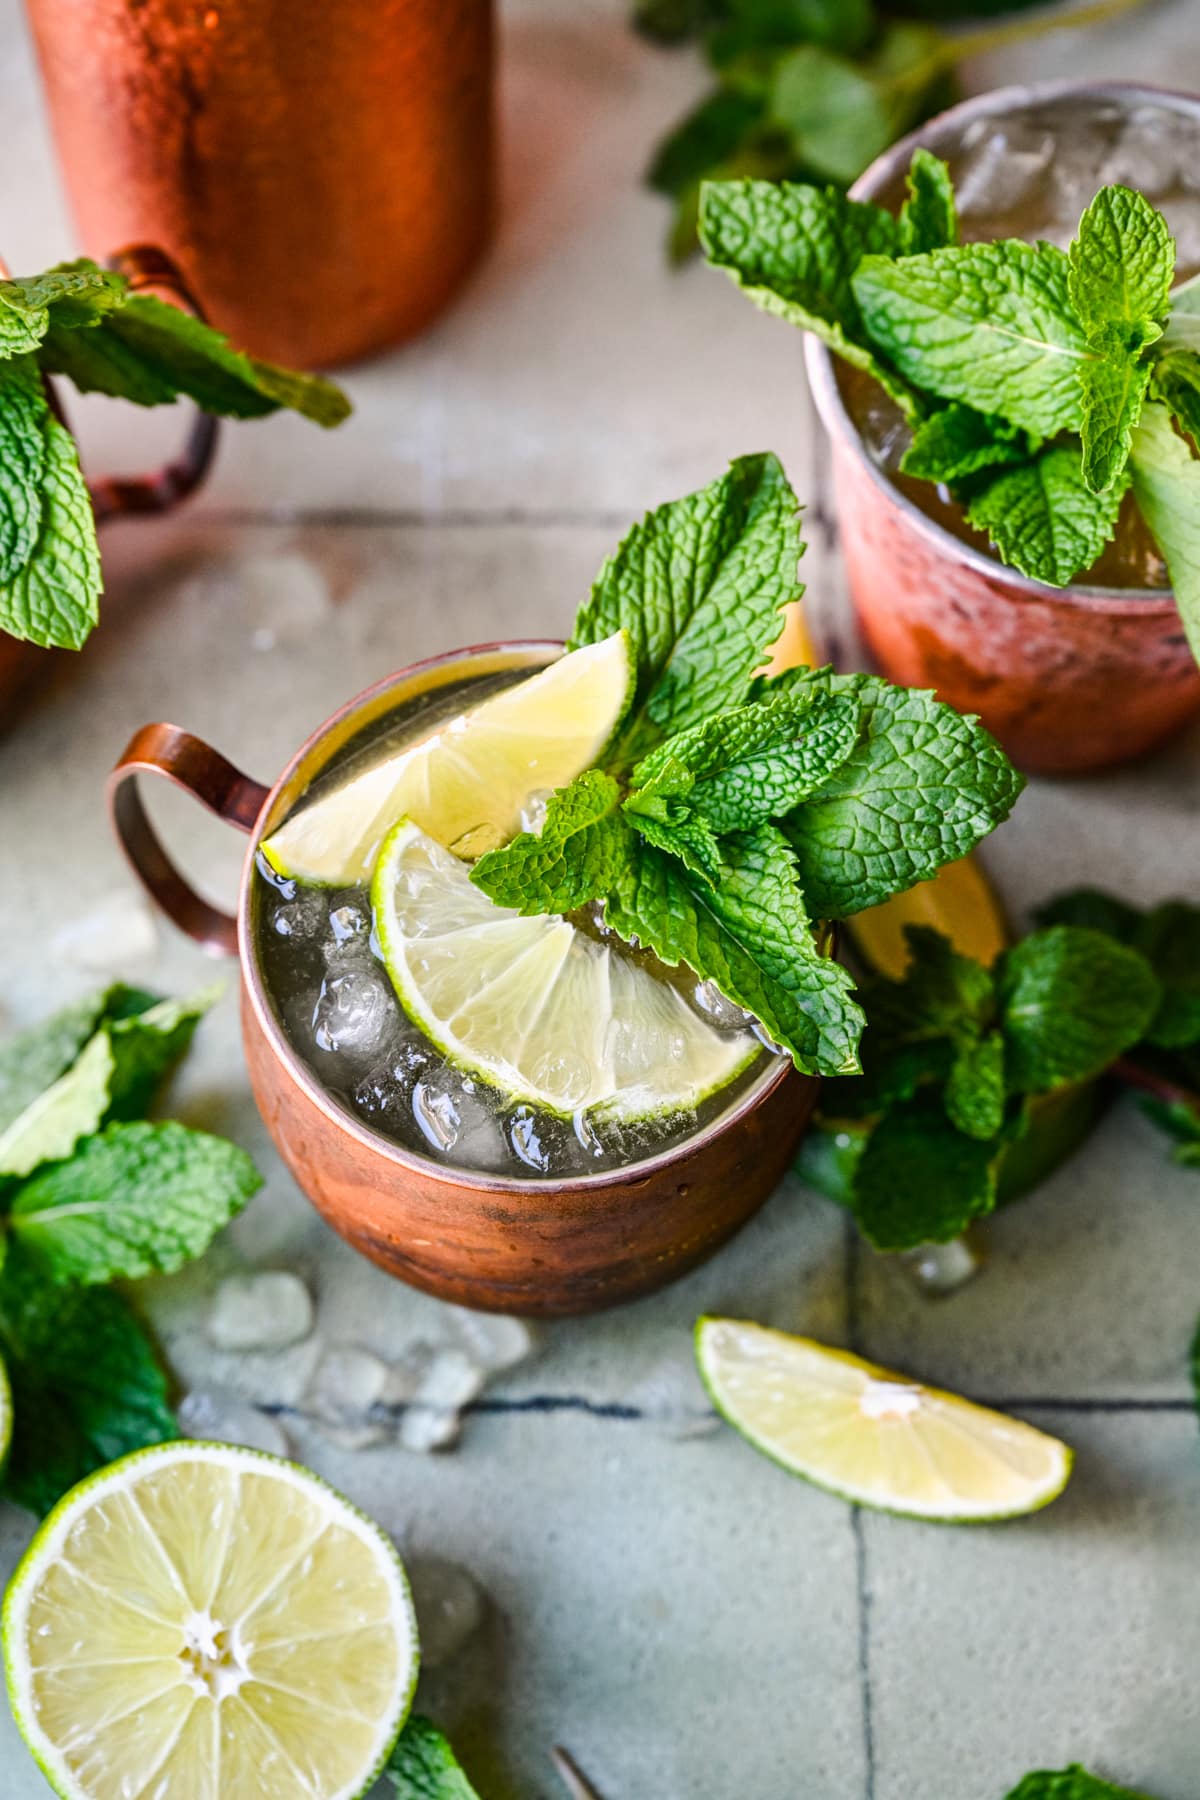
[210, 778]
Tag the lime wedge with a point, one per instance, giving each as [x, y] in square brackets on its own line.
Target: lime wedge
[207, 1621]
[534, 1006]
[467, 784]
[872, 1436]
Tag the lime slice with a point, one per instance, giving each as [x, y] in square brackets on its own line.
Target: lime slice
[467, 784]
[872, 1436]
[958, 901]
[534, 1006]
[210, 1622]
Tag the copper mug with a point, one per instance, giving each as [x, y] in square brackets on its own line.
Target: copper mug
[114, 497]
[491, 1242]
[1068, 679]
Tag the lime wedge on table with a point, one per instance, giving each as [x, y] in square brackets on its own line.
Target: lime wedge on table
[466, 785]
[534, 1006]
[872, 1436]
[958, 901]
[209, 1622]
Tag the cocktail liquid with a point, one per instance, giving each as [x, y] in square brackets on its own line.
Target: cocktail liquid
[319, 955]
[1031, 173]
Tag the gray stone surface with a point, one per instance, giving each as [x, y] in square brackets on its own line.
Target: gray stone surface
[691, 1623]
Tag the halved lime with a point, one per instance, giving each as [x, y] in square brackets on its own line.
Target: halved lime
[872, 1436]
[534, 1006]
[210, 1622]
[467, 784]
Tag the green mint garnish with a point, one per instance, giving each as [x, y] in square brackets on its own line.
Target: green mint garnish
[1071, 1001]
[83, 322]
[1040, 384]
[423, 1765]
[919, 1180]
[1070, 1784]
[733, 814]
[89, 1194]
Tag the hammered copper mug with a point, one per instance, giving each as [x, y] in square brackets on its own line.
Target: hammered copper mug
[24, 665]
[487, 1241]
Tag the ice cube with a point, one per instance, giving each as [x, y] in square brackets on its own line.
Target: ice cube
[940, 1269]
[436, 1113]
[263, 1311]
[452, 1114]
[300, 915]
[350, 924]
[354, 1014]
[527, 1139]
[1156, 149]
[450, 1608]
[347, 1397]
[433, 1417]
[712, 1005]
[119, 931]
[1002, 167]
[220, 1416]
[496, 1341]
[533, 813]
[671, 1399]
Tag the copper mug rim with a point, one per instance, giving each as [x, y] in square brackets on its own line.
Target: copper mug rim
[819, 361]
[250, 805]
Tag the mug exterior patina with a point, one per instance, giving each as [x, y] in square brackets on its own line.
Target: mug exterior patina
[495, 1243]
[1069, 680]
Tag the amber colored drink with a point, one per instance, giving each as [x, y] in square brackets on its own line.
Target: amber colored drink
[320, 169]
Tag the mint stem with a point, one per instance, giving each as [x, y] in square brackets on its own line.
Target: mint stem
[999, 37]
[1135, 1075]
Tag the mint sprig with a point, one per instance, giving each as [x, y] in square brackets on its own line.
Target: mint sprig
[1073, 1783]
[734, 814]
[423, 1766]
[85, 322]
[1040, 384]
[90, 1193]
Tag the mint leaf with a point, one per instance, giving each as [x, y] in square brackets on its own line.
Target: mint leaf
[1175, 380]
[1070, 1784]
[1169, 939]
[150, 351]
[840, 115]
[699, 585]
[136, 1199]
[146, 1045]
[1112, 391]
[707, 136]
[929, 217]
[921, 787]
[77, 294]
[688, 837]
[580, 853]
[918, 1180]
[1093, 908]
[956, 441]
[31, 1060]
[1121, 262]
[752, 938]
[1166, 484]
[988, 324]
[54, 597]
[1071, 1001]
[69, 1109]
[423, 1765]
[1044, 519]
[87, 1386]
[793, 250]
[757, 762]
[975, 1088]
[748, 25]
[23, 409]
[942, 994]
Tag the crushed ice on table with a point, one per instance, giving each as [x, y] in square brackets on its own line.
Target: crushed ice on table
[263, 1311]
[450, 1607]
[671, 1399]
[218, 1415]
[432, 1417]
[940, 1269]
[347, 1397]
[496, 1340]
[118, 931]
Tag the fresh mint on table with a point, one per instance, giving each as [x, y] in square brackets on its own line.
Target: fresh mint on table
[812, 90]
[84, 322]
[91, 1193]
[732, 815]
[423, 1765]
[963, 1064]
[1041, 384]
[1070, 1784]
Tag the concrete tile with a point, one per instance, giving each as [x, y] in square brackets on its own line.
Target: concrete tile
[1071, 1636]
